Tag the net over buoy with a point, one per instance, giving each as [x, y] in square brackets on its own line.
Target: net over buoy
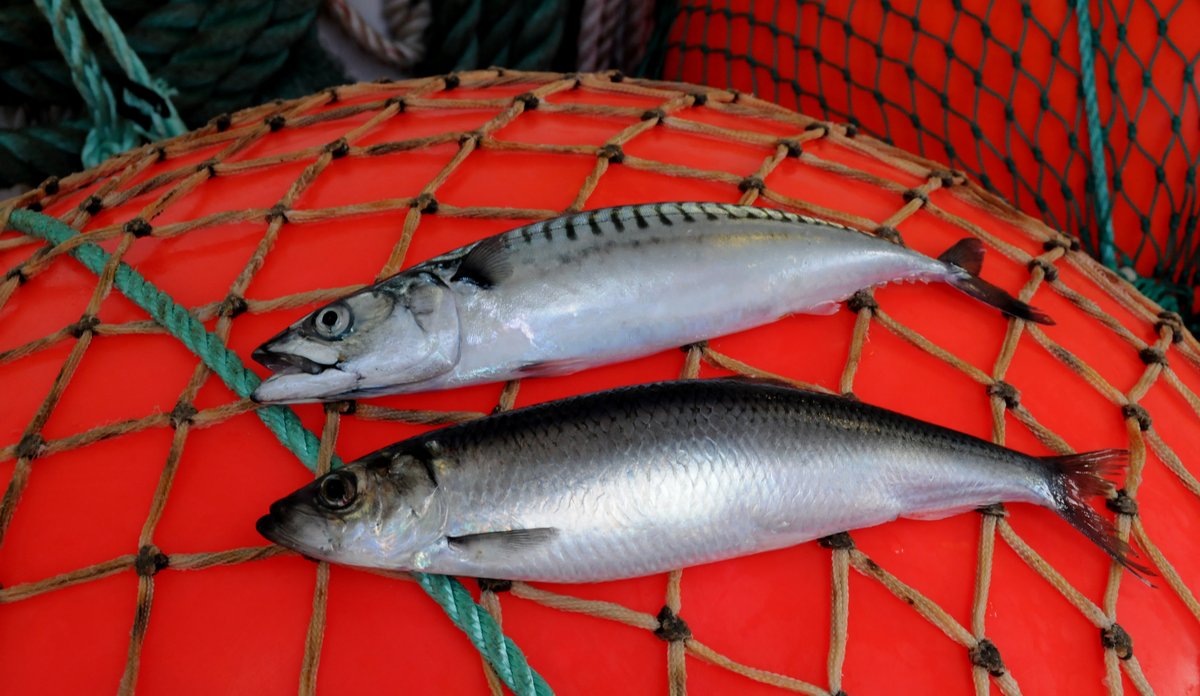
[135, 466]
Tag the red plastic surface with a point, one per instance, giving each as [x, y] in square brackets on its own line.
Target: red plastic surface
[242, 629]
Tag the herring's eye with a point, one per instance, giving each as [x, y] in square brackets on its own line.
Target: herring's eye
[337, 490]
[333, 321]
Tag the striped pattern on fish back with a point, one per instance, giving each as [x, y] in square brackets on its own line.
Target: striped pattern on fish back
[608, 222]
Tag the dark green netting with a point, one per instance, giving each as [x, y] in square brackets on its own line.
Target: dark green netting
[1009, 91]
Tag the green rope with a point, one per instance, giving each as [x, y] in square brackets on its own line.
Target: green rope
[1097, 135]
[144, 101]
[500, 651]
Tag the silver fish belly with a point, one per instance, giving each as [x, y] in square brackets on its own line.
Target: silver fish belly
[646, 479]
[585, 290]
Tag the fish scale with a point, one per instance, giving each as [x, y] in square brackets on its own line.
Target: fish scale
[645, 479]
[592, 288]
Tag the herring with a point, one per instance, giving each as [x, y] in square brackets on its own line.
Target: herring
[645, 479]
[602, 286]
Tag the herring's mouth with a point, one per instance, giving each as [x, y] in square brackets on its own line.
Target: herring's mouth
[287, 363]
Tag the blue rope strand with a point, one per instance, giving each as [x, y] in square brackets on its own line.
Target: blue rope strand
[1096, 134]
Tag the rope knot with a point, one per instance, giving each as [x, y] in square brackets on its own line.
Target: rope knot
[1152, 356]
[495, 586]
[396, 101]
[996, 510]
[793, 148]
[617, 76]
[1006, 392]
[823, 127]
[469, 136]
[916, 195]
[889, 233]
[86, 324]
[275, 122]
[651, 114]
[91, 205]
[611, 152]
[1172, 322]
[528, 99]
[426, 203]
[17, 272]
[862, 300]
[1048, 270]
[35, 207]
[221, 122]
[842, 541]
[338, 148]
[1122, 504]
[138, 227]
[670, 627]
[1138, 413]
[31, 446]
[1116, 639]
[985, 654]
[183, 412]
[699, 98]
[948, 177]
[50, 186]
[210, 165]
[451, 81]
[1061, 242]
[279, 211]
[150, 560]
[752, 182]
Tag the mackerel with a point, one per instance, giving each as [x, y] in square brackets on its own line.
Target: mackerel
[599, 287]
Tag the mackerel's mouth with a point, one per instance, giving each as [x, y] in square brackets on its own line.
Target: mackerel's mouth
[287, 363]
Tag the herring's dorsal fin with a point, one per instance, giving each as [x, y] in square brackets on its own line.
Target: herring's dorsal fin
[507, 541]
[486, 264]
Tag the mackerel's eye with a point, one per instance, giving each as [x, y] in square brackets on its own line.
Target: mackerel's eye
[337, 490]
[333, 321]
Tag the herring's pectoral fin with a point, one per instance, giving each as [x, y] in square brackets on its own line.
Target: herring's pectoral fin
[508, 541]
[486, 264]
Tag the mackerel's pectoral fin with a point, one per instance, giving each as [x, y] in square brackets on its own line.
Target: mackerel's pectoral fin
[486, 264]
[507, 542]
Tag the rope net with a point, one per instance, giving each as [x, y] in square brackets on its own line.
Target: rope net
[1013, 92]
[153, 183]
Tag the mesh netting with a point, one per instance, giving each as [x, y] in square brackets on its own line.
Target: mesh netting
[357, 112]
[1008, 90]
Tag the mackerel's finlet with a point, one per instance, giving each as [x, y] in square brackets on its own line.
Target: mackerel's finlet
[650, 478]
[590, 289]
[967, 255]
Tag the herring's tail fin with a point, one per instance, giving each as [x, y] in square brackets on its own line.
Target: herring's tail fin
[967, 255]
[1077, 477]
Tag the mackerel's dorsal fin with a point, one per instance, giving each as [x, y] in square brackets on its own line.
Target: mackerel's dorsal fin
[507, 541]
[486, 264]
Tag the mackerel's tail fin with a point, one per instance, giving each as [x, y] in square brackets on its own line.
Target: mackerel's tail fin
[1077, 477]
[967, 255]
